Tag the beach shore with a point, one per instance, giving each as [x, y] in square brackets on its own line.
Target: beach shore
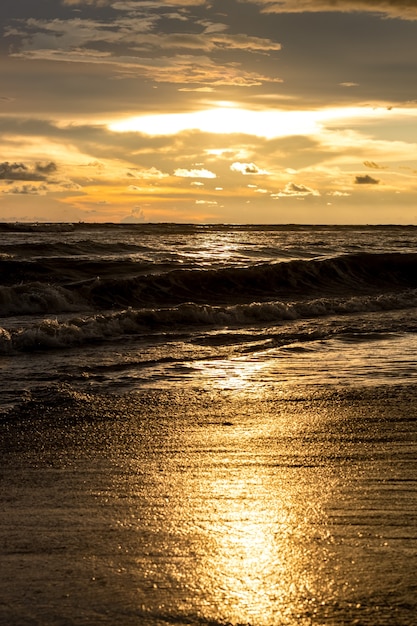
[182, 507]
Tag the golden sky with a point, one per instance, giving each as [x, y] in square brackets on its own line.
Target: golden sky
[255, 111]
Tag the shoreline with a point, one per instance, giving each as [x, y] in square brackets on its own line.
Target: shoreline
[210, 508]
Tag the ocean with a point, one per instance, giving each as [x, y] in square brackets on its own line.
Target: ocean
[208, 424]
[118, 308]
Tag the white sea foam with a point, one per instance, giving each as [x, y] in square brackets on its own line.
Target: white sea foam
[55, 333]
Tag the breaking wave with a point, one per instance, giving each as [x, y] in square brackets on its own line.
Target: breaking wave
[54, 285]
[54, 334]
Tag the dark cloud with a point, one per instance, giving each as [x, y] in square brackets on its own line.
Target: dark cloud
[46, 168]
[20, 171]
[26, 190]
[13, 171]
[296, 191]
[366, 180]
[374, 166]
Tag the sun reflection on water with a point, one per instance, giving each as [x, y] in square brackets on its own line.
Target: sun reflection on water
[232, 374]
[228, 501]
[258, 567]
[238, 535]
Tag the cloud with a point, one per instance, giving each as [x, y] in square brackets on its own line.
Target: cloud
[20, 171]
[129, 5]
[402, 9]
[207, 42]
[96, 3]
[203, 173]
[373, 165]
[75, 33]
[136, 216]
[176, 41]
[244, 42]
[138, 40]
[46, 168]
[82, 39]
[180, 69]
[165, 49]
[298, 191]
[366, 180]
[248, 169]
[13, 171]
[146, 174]
[27, 190]
[65, 185]
[338, 194]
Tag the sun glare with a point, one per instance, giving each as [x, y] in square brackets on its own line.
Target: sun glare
[227, 119]
[221, 120]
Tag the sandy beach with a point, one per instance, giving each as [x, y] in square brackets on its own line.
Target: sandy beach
[210, 508]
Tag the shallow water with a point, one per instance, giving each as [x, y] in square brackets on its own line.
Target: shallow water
[365, 350]
[211, 509]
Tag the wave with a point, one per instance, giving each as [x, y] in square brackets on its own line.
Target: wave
[85, 247]
[54, 334]
[346, 275]
[38, 299]
[49, 286]
[64, 272]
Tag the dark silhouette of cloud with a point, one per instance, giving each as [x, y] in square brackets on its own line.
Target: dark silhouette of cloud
[27, 190]
[373, 165]
[20, 171]
[46, 168]
[366, 180]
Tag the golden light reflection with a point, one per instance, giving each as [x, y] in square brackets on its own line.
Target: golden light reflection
[258, 528]
[238, 375]
[226, 522]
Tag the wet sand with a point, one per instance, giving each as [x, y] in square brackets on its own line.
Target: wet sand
[210, 508]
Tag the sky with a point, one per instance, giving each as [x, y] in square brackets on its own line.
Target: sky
[229, 111]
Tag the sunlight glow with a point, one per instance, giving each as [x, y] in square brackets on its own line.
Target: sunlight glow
[267, 123]
[257, 537]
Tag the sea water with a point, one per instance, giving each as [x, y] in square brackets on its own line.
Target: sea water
[208, 425]
[123, 307]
